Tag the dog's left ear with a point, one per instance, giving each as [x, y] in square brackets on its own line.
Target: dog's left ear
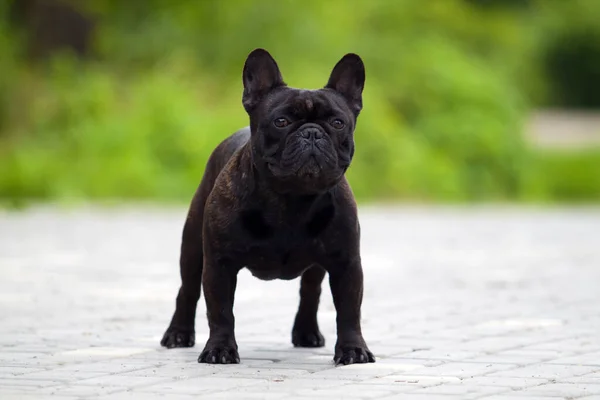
[348, 78]
[261, 75]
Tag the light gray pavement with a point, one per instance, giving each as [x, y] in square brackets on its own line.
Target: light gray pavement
[491, 303]
[564, 129]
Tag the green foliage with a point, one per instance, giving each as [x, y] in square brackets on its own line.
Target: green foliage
[444, 101]
[570, 53]
[570, 176]
[93, 135]
[8, 68]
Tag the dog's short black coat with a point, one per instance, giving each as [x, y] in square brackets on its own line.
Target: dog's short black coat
[274, 200]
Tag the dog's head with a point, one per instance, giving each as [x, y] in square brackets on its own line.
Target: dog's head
[302, 140]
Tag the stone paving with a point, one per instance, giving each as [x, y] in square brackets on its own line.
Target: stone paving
[460, 303]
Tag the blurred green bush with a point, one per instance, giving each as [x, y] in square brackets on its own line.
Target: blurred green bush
[449, 83]
[570, 53]
[568, 176]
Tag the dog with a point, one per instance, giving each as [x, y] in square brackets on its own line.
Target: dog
[274, 199]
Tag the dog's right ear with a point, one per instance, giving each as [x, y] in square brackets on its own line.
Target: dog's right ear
[261, 75]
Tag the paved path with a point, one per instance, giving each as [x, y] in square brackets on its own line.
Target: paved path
[566, 129]
[459, 304]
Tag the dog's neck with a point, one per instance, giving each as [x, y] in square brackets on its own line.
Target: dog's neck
[264, 188]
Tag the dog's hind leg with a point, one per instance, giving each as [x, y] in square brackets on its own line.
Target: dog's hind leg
[306, 329]
[181, 330]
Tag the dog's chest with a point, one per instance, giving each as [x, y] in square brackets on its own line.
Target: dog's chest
[279, 246]
[284, 256]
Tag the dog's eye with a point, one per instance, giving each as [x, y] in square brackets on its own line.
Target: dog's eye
[281, 122]
[337, 123]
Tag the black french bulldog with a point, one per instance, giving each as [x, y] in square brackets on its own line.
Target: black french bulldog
[274, 199]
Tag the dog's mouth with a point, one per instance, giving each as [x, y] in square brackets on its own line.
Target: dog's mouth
[309, 174]
[308, 168]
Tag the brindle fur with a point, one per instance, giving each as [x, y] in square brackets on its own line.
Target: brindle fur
[277, 224]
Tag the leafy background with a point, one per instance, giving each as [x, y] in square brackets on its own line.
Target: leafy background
[112, 100]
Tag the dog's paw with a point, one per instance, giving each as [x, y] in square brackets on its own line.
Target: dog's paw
[176, 337]
[353, 355]
[307, 337]
[219, 354]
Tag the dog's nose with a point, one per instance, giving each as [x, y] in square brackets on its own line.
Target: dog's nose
[312, 133]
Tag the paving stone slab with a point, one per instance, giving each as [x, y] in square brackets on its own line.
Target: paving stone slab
[494, 303]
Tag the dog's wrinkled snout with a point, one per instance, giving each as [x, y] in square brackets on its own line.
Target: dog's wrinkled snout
[312, 134]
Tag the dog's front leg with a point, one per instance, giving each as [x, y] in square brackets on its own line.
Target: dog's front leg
[219, 281]
[346, 283]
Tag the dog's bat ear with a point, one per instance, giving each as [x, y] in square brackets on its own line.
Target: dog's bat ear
[348, 79]
[261, 75]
